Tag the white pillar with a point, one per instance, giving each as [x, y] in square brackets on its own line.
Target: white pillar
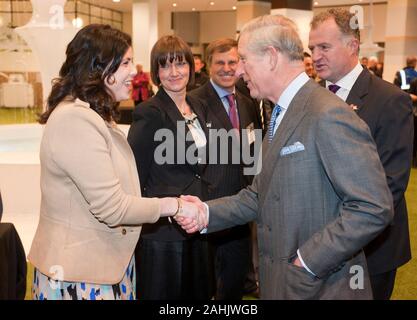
[48, 34]
[144, 30]
[302, 18]
[164, 24]
[248, 10]
[400, 38]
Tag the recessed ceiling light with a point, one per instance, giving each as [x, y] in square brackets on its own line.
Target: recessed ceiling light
[234, 7]
[77, 22]
[193, 9]
[212, 3]
[116, 0]
[316, 3]
[174, 4]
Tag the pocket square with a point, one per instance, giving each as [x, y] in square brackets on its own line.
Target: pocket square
[296, 147]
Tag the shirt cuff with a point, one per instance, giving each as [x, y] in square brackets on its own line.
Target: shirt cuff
[203, 231]
[302, 262]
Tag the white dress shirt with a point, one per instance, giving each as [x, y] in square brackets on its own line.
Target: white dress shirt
[289, 93]
[347, 82]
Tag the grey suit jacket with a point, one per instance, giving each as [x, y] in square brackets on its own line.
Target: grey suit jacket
[328, 200]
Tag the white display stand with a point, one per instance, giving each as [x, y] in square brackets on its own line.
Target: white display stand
[16, 95]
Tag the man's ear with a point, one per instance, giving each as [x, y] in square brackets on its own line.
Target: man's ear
[273, 57]
[353, 45]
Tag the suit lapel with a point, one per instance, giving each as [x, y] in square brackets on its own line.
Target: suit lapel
[292, 118]
[359, 90]
[244, 117]
[201, 111]
[217, 107]
[175, 115]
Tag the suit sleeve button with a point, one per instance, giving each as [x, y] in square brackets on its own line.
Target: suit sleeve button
[124, 231]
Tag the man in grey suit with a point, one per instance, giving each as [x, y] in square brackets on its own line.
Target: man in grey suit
[322, 194]
[388, 112]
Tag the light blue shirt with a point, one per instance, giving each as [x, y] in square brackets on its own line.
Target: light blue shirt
[222, 93]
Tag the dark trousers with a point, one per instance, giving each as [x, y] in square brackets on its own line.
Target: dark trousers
[232, 261]
[383, 285]
[173, 270]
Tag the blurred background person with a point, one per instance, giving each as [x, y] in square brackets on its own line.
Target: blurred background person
[405, 76]
[364, 62]
[200, 74]
[141, 87]
[373, 66]
[308, 65]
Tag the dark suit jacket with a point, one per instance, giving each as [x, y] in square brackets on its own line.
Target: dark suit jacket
[12, 264]
[328, 198]
[165, 180]
[226, 179]
[388, 112]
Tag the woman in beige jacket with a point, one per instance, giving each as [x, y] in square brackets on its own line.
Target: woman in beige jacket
[91, 208]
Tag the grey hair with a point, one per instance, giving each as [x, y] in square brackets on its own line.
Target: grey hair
[276, 31]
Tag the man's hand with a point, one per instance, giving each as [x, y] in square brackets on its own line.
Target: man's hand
[193, 217]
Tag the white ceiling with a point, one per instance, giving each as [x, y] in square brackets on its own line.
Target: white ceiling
[204, 5]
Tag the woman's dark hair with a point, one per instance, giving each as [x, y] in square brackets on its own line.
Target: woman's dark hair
[170, 48]
[92, 57]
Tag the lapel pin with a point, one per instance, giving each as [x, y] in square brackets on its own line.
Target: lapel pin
[354, 108]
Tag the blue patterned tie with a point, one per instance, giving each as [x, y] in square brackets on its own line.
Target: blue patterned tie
[274, 116]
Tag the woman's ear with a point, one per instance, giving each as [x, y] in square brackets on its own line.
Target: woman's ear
[110, 80]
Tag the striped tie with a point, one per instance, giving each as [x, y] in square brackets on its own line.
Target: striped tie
[233, 116]
[274, 116]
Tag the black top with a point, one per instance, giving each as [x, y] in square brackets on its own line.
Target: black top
[172, 178]
[12, 264]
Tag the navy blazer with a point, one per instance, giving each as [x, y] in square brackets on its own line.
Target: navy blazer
[388, 112]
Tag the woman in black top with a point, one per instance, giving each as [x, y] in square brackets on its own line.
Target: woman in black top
[168, 138]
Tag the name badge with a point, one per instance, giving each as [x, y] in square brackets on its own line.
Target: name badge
[250, 130]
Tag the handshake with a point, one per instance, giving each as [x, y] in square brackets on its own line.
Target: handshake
[192, 214]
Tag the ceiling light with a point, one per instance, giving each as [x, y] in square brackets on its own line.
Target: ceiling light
[174, 4]
[116, 0]
[234, 7]
[212, 3]
[193, 9]
[316, 3]
[77, 22]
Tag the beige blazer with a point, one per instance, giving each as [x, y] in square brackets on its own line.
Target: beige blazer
[91, 207]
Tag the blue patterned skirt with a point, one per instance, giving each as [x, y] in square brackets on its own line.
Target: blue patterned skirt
[45, 288]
